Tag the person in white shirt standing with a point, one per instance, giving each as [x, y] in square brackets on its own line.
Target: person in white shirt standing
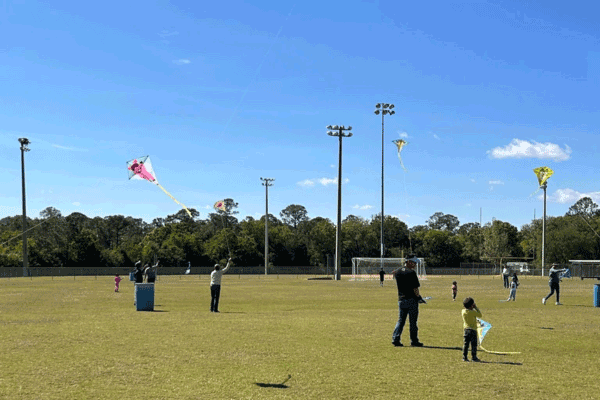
[215, 285]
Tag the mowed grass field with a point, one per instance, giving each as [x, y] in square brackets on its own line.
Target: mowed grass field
[289, 337]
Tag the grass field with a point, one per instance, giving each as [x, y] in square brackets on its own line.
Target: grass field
[75, 338]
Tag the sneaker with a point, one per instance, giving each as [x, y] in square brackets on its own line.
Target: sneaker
[465, 359]
[475, 359]
[417, 344]
[397, 344]
[558, 304]
[543, 300]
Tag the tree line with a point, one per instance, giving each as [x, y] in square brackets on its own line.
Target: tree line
[294, 239]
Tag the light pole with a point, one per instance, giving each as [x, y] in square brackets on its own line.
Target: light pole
[266, 183]
[544, 186]
[338, 131]
[24, 143]
[383, 108]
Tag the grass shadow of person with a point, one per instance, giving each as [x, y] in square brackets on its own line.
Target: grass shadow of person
[442, 347]
[281, 385]
[499, 362]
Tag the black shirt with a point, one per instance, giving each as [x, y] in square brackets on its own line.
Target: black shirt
[407, 280]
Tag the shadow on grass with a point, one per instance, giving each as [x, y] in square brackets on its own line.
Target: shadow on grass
[281, 385]
[499, 362]
[272, 385]
[545, 327]
[442, 348]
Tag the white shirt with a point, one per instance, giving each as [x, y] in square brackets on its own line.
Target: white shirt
[505, 271]
[215, 276]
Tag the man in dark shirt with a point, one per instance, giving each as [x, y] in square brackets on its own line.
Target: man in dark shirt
[381, 277]
[408, 301]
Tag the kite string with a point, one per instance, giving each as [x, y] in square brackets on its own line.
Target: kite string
[21, 234]
[588, 225]
[406, 205]
[174, 199]
[226, 236]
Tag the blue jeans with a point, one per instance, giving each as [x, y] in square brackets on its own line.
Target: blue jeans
[554, 286]
[215, 293]
[410, 308]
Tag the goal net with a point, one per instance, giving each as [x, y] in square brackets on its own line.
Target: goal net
[368, 268]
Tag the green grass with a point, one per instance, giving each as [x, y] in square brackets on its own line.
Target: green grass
[72, 338]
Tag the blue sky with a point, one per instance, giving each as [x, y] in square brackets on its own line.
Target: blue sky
[221, 94]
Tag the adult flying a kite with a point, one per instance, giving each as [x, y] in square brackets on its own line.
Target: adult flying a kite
[141, 168]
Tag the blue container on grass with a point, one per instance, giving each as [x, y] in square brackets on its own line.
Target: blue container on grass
[144, 296]
[597, 295]
[132, 276]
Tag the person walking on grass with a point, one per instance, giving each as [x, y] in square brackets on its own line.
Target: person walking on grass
[513, 288]
[469, 315]
[215, 285]
[554, 283]
[454, 290]
[408, 301]
[505, 275]
[381, 277]
[117, 281]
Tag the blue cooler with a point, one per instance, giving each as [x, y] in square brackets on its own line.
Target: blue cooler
[132, 276]
[597, 295]
[144, 296]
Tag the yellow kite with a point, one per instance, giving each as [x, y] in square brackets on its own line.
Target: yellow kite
[400, 143]
[543, 173]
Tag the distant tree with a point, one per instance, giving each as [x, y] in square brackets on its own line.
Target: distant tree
[443, 222]
[293, 214]
[585, 207]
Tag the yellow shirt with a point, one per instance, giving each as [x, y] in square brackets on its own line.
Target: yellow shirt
[470, 318]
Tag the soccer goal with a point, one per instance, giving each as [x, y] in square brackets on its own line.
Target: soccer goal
[368, 268]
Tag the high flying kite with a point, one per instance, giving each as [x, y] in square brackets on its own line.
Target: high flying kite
[543, 173]
[400, 143]
[141, 168]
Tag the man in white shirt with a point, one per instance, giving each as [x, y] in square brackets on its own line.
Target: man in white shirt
[215, 285]
[505, 275]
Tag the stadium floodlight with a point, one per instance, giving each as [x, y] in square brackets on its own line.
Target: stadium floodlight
[387, 109]
[338, 235]
[24, 143]
[266, 183]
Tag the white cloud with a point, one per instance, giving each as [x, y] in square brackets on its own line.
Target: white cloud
[58, 146]
[436, 136]
[332, 166]
[496, 183]
[327, 181]
[564, 196]
[306, 183]
[76, 204]
[182, 61]
[524, 149]
[365, 207]
[473, 180]
[403, 135]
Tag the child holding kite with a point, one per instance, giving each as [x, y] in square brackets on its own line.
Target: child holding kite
[469, 316]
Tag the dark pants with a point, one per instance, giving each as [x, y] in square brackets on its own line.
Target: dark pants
[554, 287]
[506, 284]
[407, 308]
[470, 338]
[215, 293]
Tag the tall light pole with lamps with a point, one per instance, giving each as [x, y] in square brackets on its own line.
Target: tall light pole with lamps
[383, 109]
[338, 131]
[24, 143]
[266, 183]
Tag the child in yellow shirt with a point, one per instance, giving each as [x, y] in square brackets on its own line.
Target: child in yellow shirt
[469, 316]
